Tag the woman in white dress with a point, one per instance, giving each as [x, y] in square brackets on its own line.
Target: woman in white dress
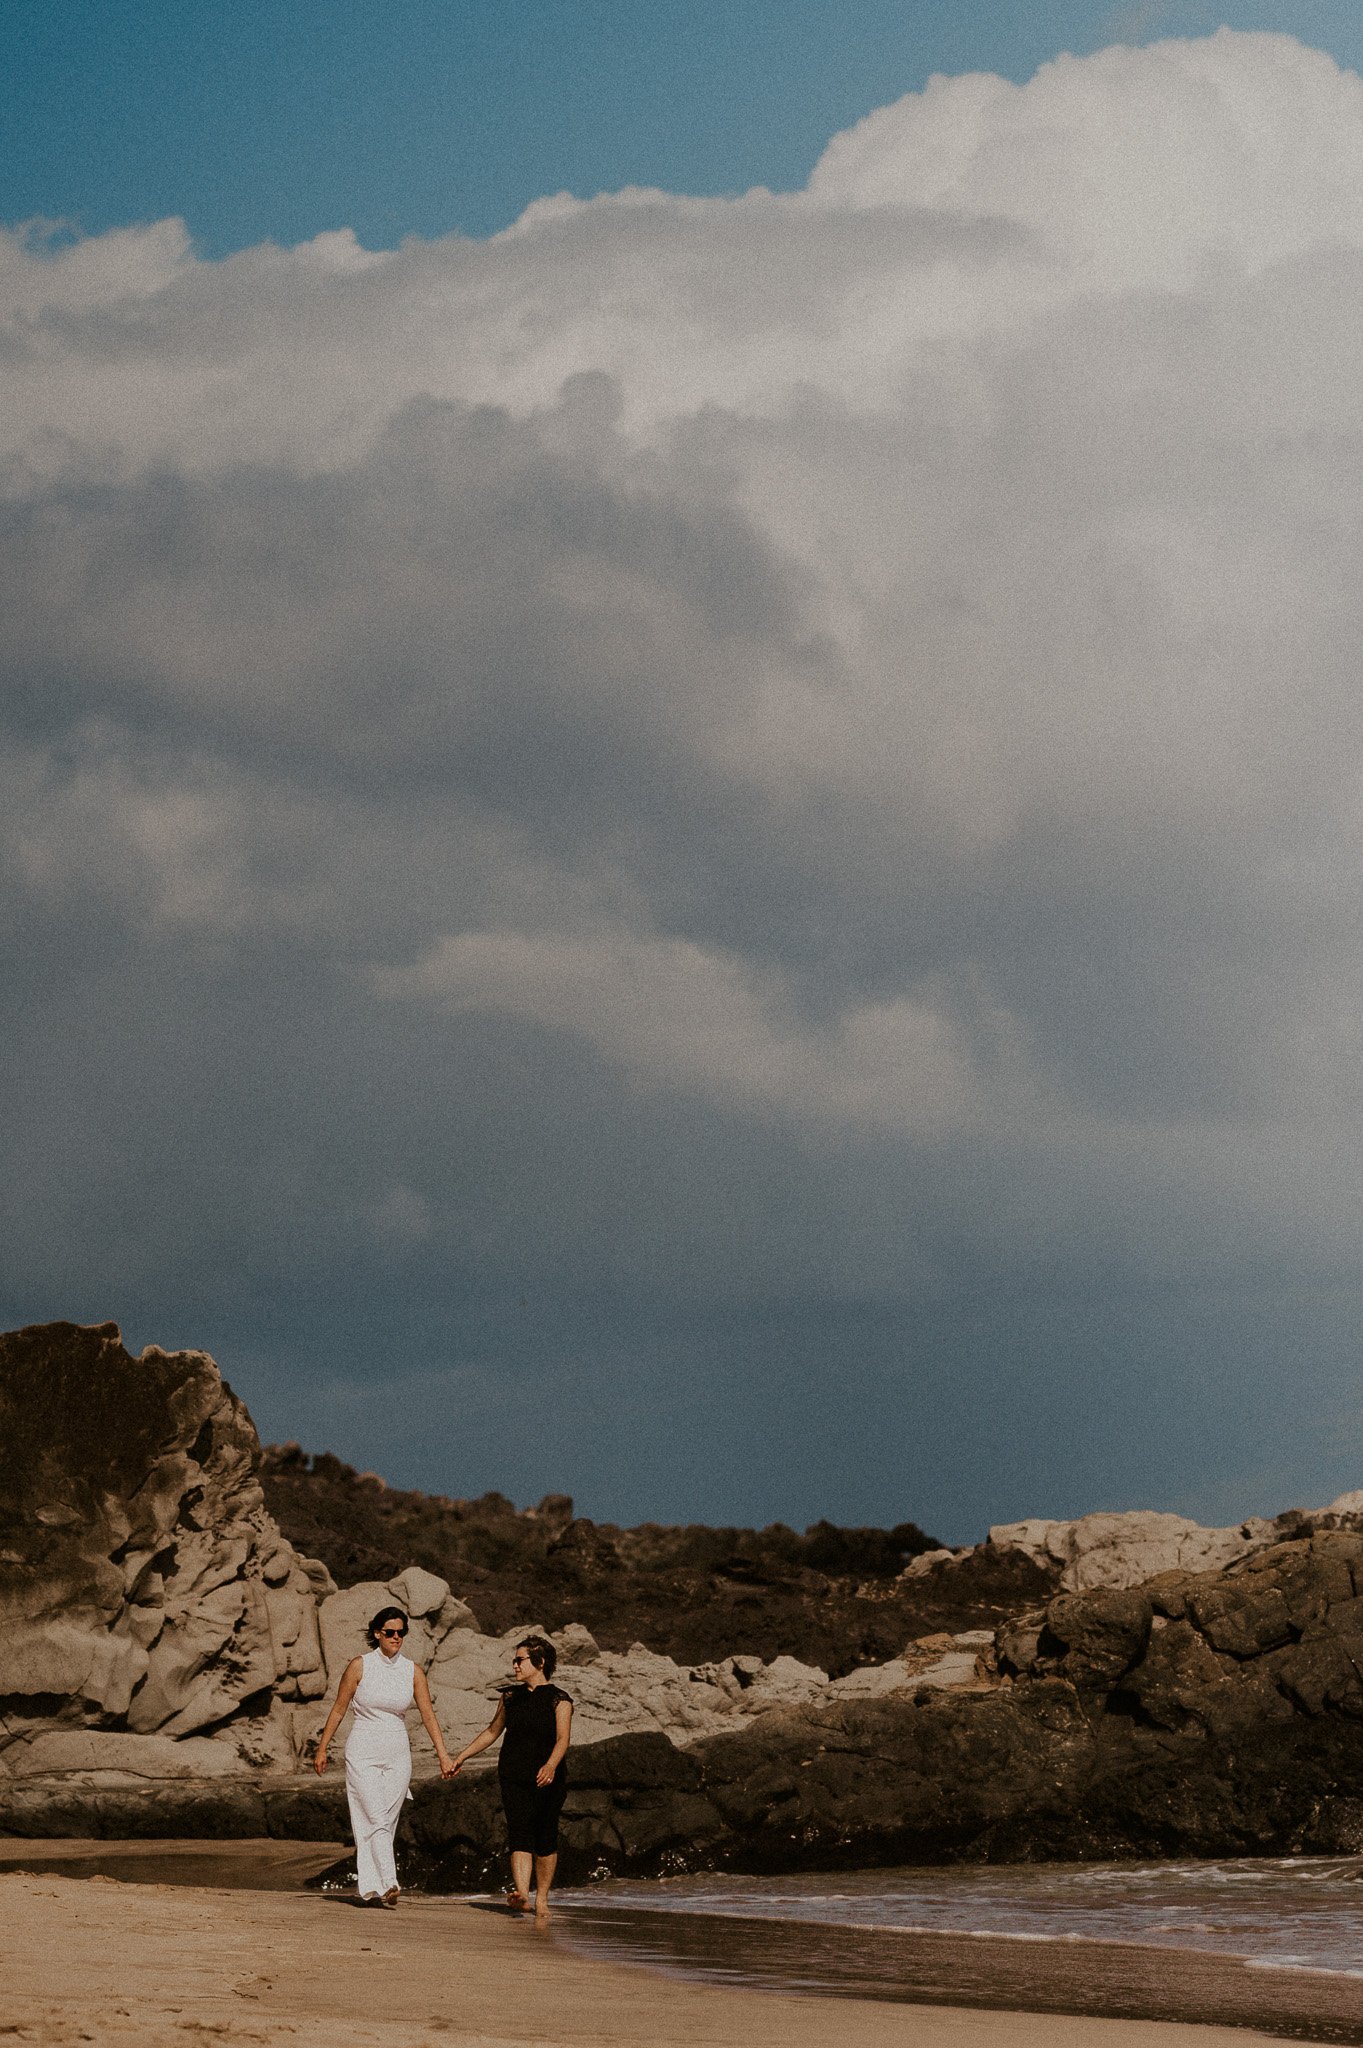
[382, 1687]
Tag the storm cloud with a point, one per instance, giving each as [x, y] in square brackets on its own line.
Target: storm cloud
[709, 852]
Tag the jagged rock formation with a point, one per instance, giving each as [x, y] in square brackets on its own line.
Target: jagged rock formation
[168, 1651]
[1208, 1714]
[161, 1630]
[1126, 1549]
[143, 1586]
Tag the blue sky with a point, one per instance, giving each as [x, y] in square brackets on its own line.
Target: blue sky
[277, 119]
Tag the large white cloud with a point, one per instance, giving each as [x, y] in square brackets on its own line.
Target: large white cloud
[871, 672]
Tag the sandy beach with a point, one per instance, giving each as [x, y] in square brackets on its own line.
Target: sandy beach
[93, 1959]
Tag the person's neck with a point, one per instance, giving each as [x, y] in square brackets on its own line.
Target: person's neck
[535, 1678]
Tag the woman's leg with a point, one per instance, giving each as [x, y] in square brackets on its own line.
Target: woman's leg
[374, 1793]
[385, 1863]
[545, 1866]
[518, 1804]
[548, 1807]
[399, 1784]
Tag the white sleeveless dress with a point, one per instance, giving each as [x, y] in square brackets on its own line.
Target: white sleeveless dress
[378, 1766]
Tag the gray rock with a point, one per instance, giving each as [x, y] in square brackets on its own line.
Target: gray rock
[938, 1663]
[146, 1586]
[575, 1644]
[419, 1592]
[930, 1561]
[1120, 1550]
[782, 1683]
[98, 1755]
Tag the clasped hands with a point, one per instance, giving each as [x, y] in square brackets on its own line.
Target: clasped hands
[449, 1767]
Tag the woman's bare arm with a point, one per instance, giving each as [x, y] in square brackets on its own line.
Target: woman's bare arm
[345, 1693]
[421, 1693]
[483, 1741]
[563, 1730]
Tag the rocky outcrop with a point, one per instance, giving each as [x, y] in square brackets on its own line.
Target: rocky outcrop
[1164, 1690]
[832, 1598]
[1126, 1549]
[143, 1586]
[939, 1663]
[1207, 1713]
[631, 1692]
[161, 1630]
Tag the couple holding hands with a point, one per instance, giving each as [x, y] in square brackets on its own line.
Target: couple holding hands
[533, 1720]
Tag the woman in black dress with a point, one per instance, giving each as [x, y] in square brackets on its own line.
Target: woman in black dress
[535, 1719]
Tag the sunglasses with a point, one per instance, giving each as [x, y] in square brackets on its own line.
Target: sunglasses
[400, 1633]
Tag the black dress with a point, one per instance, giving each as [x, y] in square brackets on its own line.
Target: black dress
[529, 1735]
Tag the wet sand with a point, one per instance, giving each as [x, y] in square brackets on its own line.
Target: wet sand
[985, 1972]
[231, 1866]
[154, 1964]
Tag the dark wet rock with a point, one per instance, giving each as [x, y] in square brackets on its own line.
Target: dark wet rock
[1099, 1635]
[1312, 1574]
[1026, 1775]
[1241, 1616]
[1324, 1673]
[1167, 1593]
[1178, 1674]
[1017, 1645]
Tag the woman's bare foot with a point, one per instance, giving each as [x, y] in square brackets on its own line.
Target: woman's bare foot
[517, 1902]
[390, 1897]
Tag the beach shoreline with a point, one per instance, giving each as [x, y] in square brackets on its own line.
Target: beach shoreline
[161, 1962]
[1069, 1975]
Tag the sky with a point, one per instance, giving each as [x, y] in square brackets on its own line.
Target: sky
[279, 119]
[680, 746]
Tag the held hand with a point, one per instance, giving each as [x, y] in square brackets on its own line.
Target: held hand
[451, 1766]
[319, 1762]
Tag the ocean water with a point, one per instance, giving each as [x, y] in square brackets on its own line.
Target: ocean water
[1283, 1913]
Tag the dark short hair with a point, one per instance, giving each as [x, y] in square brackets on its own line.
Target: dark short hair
[543, 1655]
[377, 1621]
